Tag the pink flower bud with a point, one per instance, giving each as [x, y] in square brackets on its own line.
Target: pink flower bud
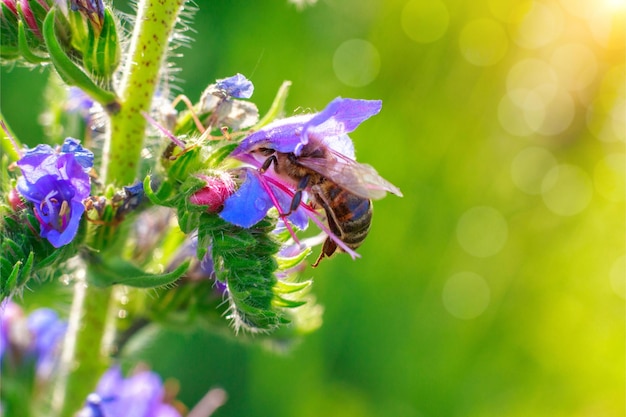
[218, 188]
[11, 5]
[15, 201]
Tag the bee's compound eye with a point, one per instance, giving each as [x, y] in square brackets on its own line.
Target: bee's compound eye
[266, 151]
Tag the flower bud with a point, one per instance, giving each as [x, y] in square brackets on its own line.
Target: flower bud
[15, 201]
[218, 188]
[33, 13]
[101, 56]
[8, 30]
[92, 9]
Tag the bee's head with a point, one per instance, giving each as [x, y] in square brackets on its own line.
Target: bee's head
[263, 150]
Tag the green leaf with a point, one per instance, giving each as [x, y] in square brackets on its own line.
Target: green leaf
[288, 263]
[24, 48]
[283, 287]
[70, 72]
[120, 271]
[102, 52]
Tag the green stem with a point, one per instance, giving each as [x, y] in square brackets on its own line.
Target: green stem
[10, 144]
[86, 348]
[155, 21]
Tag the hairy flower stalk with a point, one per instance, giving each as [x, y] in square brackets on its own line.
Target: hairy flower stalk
[155, 21]
[206, 216]
[90, 308]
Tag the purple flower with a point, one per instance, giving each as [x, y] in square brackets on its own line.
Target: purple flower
[47, 330]
[11, 315]
[79, 102]
[259, 192]
[256, 195]
[237, 86]
[318, 148]
[328, 127]
[220, 99]
[56, 183]
[140, 395]
[35, 337]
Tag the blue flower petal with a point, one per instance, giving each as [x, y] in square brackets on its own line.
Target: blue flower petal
[249, 204]
[237, 86]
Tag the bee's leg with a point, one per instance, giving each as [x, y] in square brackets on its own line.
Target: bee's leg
[328, 249]
[268, 163]
[297, 197]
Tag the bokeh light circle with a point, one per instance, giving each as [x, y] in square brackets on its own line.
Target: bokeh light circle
[482, 231]
[466, 295]
[425, 21]
[533, 86]
[483, 42]
[531, 76]
[617, 276]
[579, 8]
[558, 114]
[356, 62]
[509, 117]
[608, 177]
[608, 27]
[535, 24]
[529, 167]
[575, 65]
[566, 190]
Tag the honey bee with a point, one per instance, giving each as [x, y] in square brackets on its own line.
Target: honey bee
[338, 184]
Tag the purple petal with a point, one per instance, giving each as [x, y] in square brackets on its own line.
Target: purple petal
[237, 86]
[341, 116]
[282, 135]
[110, 382]
[249, 204]
[32, 161]
[60, 238]
[165, 410]
[83, 156]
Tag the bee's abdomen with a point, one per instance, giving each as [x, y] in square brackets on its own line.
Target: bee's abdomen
[353, 215]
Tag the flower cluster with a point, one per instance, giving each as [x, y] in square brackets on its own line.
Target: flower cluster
[208, 219]
[140, 395]
[35, 337]
[56, 183]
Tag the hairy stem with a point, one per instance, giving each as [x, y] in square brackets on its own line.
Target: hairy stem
[154, 24]
[86, 348]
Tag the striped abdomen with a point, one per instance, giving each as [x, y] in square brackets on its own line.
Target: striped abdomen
[349, 216]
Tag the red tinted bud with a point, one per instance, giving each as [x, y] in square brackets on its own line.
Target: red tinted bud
[15, 201]
[10, 5]
[34, 12]
[218, 188]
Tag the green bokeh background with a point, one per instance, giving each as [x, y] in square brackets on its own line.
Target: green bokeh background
[495, 287]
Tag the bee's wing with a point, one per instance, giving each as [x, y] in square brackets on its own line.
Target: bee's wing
[359, 179]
